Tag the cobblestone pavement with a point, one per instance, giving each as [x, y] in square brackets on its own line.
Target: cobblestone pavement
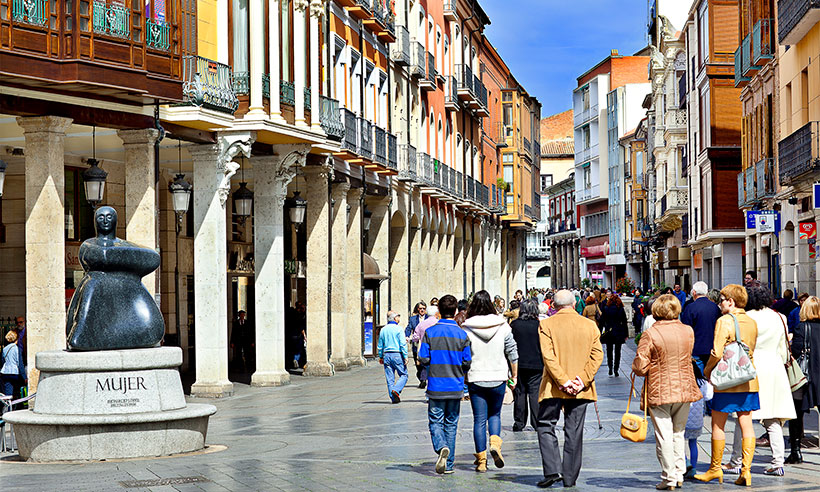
[342, 433]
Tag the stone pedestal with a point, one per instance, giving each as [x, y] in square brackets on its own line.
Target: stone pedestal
[109, 404]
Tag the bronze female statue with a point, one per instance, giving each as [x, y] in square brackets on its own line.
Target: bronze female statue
[111, 309]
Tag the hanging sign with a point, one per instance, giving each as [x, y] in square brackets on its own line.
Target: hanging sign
[769, 223]
[808, 230]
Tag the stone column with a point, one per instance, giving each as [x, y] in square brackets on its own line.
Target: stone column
[273, 60]
[317, 220]
[141, 193]
[317, 11]
[380, 251]
[44, 236]
[338, 294]
[398, 268]
[271, 175]
[257, 60]
[354, 324]
[299, 60]
[213, 169]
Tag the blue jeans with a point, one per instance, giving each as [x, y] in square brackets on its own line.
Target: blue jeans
[443, 417]
[393, 361]
[486, 403]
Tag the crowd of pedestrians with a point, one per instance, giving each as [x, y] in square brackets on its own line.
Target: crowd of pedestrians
[543, 351]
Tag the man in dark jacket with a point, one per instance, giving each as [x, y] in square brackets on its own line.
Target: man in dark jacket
[785, 305]
[702, 315]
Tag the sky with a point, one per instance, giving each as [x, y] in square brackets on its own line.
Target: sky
[547, 44]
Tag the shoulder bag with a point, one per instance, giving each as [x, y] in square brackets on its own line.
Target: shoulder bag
[633, 427]
[736, 367]
[805, 356]
[797, 378]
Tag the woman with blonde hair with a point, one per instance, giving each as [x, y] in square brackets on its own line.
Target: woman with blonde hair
[742, 398]
[12, 374]
[771, 355]
[664, 357]
[806, 338]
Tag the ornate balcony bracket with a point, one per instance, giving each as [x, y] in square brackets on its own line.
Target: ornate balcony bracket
[230, 145]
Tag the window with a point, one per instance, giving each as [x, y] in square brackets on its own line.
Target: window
[703, 33]
[546, 182]
[596, 224]
[284, 37]
[585, 137]
[585, 98]
[587, 178]
[509, 178]
[507, 158]
[240, 36]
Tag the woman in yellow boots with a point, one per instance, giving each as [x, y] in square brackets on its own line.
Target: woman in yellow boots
[742, 398]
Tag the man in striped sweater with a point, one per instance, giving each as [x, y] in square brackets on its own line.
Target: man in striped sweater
[445, 348]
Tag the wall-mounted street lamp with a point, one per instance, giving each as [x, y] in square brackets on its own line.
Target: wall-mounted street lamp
[243, 198]
[2, 176]
[368, 216]
[298, 207]
[181, 196]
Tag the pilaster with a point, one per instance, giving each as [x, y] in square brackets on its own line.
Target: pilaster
[353, 281]
[140, 192]
[317, 222]
[44, 236]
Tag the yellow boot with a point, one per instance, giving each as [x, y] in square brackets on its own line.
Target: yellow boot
[495, 451]
[745, 477]
[480, 462]
[715, 470]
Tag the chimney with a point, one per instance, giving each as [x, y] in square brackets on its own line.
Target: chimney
[613, 52]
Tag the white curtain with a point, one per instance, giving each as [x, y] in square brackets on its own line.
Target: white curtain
[240, 36]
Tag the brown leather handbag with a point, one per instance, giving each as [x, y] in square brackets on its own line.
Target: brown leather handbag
[633, 427]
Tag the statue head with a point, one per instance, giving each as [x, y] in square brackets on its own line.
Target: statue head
[105, 221]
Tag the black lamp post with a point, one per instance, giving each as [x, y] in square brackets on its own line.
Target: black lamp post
[181, 197]
[2, 176]
[94, 183]
[298, 207]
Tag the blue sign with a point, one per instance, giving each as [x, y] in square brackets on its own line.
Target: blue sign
[368, 338]
[751, 219]
[816, 195]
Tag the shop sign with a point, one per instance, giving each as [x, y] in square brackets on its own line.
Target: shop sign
[763, 220]
[807, 230]
[697, 260]
[812, 251]
[815, 195]
[600, 250]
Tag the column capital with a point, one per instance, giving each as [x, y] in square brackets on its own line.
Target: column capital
[355, 194]
[340, 189]
[44, 124]
[322, 171]
[317, 8]
[222, 153]
[139, 136]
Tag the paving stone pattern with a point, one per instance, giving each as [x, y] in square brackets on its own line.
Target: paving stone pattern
[342, 433]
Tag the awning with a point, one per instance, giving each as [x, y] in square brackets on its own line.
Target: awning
[371, 268]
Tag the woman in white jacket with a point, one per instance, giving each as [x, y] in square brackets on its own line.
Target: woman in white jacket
[771, 353]
[493, 346]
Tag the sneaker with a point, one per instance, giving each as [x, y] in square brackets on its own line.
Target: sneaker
[777, 472]
[394, 395]
[422, 384]
[441, 462]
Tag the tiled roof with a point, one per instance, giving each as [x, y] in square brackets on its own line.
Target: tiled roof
[558, 147]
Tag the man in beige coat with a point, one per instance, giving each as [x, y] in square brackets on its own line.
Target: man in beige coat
[571, 349]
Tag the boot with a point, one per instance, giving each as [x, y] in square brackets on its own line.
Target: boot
[795, 457]
[480, 462]
[748, 453]
[715, 470]
[495, 451]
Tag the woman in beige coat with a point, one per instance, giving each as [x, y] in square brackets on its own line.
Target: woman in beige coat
[665, 358]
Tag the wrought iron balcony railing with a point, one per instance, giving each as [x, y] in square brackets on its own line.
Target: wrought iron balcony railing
[331, 118]
[157, 34]
[751, 184]
[114, 20]
[459, 184]
[400, 49]
[266, 85]
[417, 61]
[764, 177]
[499, 135]
[350, 142]
[425, 168]
[464, 75]
[392, 152]
[379, 145]
[450, 10]
[287, 92]
[480, 93]
[482, 194]
[741, 190]
[241, 82]
[798, 153]
[526, 147]
[33, 12]
[763, 46]
[207, 83]
[432, 73]
[747, 67]
[407, 162]
[365, 147]
[741, 80]
[793, 19]
[451, 93]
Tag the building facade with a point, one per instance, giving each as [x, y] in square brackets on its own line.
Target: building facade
[373, 113]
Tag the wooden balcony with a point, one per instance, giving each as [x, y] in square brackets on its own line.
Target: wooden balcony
[90, 48]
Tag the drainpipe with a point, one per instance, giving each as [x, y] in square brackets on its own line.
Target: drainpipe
[410, 191]
[329, 261]
[362, 204]
[329, 67]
